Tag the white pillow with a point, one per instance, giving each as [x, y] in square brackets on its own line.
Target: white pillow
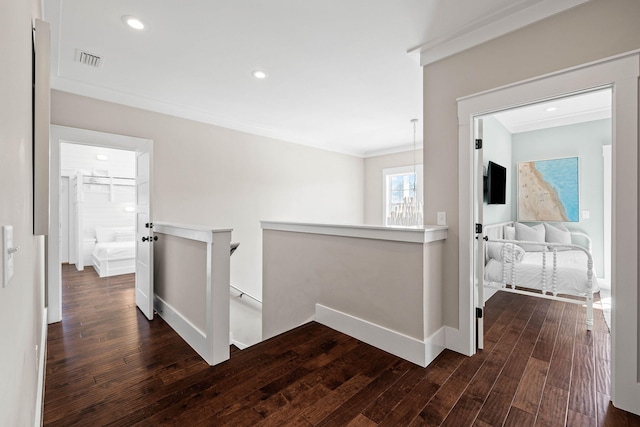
[530, 234]
[105, 234]
[557, 233]
[108, 234]
[125, 236]
[507, 251]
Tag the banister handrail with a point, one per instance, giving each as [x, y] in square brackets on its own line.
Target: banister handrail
[244, 293]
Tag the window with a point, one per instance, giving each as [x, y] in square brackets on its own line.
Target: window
[401, 188]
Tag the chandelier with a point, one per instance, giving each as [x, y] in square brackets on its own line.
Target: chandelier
[410, 211]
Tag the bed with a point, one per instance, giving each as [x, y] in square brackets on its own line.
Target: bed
[545, 260]
[115, 251]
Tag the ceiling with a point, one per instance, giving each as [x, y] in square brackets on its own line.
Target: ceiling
[578, 108]
[339, 75]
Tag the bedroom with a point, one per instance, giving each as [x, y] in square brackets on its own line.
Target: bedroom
[574, 132]
[97, 204]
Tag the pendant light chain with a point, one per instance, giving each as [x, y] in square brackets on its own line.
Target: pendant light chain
[415, 176]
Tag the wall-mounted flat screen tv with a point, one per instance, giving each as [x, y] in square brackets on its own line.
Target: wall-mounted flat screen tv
[496, 184]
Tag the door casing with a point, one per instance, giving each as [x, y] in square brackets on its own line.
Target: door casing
[621, 75]
[59, 134]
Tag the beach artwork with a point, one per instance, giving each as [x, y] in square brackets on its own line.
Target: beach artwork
[548, 190]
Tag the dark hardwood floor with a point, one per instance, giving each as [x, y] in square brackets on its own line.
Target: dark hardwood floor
[108, 365]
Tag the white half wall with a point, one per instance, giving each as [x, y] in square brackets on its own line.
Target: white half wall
[378, 284]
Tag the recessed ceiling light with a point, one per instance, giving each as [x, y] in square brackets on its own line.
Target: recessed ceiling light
[550, 109]
[133, 22]
[259, 74]
[102, 157]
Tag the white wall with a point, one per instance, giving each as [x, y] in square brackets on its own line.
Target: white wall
[375, 280]
[374, 185]
[496, 146]
[22, 301]
[221, 178]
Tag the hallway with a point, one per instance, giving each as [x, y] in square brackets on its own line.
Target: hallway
[108, 365]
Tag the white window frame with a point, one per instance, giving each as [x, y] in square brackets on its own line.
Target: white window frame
[400, 170]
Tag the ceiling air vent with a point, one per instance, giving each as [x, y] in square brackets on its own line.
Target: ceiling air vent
[88, 58]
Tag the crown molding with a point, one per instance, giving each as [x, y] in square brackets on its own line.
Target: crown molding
[502, 22]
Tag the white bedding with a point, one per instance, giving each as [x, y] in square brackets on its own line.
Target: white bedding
[571, 272]
[115, 250]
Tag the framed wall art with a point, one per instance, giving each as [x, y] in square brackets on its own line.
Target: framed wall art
[548, 190]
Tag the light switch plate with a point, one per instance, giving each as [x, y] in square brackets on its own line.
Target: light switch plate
[7, 256]
[442, 218]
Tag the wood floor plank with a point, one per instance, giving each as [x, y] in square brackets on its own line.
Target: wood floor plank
[414, 402]
[463, 413]
[576, 419]
[582, 398]
[362, 421]
[384, 404]
[496, 406]
[328, 404]
[529, 391]
[519, 418]
[553, 407]
[435, 412]
[108, 365]
[359, 401]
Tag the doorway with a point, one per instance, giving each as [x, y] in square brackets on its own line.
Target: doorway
[97, 206]
[560, 130]
[64, 135]
[621, 74]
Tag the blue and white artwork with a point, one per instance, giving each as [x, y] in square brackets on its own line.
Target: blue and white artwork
[548, 190]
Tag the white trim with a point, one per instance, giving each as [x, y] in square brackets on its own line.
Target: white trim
[392, 150]
[401, 170]
[191, 232]
[58, 135]
[212, 344]
[412, 349]
[42, 360]
[509, 19]
[607, 172]
[419, 234]
[187, 330]
[239, 344]
[218, 296]
[455, 340]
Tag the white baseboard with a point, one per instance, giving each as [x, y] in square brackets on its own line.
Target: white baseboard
[237, 343]
[42, 359]
[240, 345]
[414, 350]
[187, 330]
[455, 341]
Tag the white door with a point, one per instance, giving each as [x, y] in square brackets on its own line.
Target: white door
[64, 219]
[144, 236]
[479, 241]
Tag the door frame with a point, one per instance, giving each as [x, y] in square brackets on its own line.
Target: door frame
[621, 74]
[58, 135]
